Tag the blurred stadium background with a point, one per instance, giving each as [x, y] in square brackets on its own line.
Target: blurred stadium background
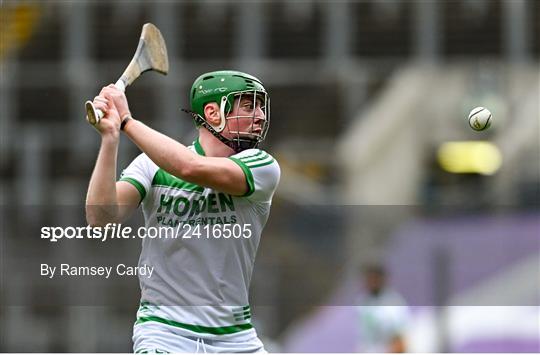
[366, 96]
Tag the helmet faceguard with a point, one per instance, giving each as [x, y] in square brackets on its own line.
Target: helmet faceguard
[229, 88]
[257, 126]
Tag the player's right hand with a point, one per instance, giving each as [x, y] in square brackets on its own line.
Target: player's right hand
[109, 125]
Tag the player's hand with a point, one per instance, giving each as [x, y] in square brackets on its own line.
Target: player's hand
[118, 98]
[109, 125]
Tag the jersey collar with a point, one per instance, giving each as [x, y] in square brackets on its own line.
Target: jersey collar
[198, 147]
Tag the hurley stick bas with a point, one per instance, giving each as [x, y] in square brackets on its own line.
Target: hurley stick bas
[151, 54]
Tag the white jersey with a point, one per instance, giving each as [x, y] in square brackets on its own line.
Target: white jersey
[381, 318]
[201, 278]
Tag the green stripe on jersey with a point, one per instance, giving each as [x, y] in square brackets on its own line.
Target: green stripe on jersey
[198, 147]
[138, 186]
[231, 329]
[163, 178]
[258, 152]
[257, 160]
[248, 174]
[243, 314]
[258, 156]
[259, 163]
[240, 309]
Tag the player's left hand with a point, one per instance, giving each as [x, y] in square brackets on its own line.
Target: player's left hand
[109, 125]
[118, 99]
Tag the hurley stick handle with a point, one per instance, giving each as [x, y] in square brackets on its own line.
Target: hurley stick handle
[151, 54]
[94, 115]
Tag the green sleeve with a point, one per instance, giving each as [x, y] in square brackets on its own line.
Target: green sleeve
[137, 185]
[248, 174]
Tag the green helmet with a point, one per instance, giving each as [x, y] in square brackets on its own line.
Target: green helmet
[222, 87]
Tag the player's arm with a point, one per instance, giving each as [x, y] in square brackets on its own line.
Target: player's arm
[108, 201]
[221, 174]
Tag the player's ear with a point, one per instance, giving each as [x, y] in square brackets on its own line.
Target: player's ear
[211, 113]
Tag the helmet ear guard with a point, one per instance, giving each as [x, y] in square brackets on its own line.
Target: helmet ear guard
[222, 107]
[201, 122]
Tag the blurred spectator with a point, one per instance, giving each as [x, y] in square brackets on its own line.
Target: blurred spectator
[382, 314]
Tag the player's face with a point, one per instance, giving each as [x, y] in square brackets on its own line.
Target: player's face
[247, 118]
[374, 282]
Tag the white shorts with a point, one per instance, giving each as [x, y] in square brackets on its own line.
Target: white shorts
[155, 337]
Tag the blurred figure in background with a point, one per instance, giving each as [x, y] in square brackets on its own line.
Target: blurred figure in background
[382, 314]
